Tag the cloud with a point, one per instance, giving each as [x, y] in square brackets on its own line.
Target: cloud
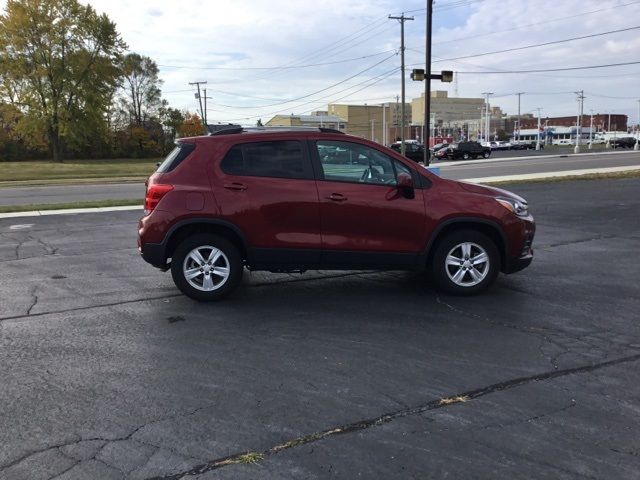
[213, 41]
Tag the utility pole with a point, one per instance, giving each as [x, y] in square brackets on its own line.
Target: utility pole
[579, 121]
[538, 142]
[487, 117]
[373, 122]
[206, 122]
[402, 19]
[518, 131]
[197, 84]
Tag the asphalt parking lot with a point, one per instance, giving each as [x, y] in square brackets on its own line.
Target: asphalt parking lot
[106, 372]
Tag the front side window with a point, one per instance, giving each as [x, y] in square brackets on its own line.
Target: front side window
[280, 159]
[352, 162]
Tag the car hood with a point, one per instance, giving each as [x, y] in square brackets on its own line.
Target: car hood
[490, 191]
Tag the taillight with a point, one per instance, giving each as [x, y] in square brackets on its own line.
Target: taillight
[155, 192]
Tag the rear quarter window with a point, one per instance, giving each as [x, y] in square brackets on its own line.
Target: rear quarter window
[176, 157]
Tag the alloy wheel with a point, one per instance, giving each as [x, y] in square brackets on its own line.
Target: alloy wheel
[467, 264]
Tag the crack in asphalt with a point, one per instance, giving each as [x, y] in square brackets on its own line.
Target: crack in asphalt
[34, 302]
[464, 397]
[102, 439]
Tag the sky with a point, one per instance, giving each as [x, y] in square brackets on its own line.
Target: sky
[266, 57]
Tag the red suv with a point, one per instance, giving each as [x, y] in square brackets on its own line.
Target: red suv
[284, 200]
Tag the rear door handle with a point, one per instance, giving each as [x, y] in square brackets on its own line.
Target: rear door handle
[337, 197]
[239, 187]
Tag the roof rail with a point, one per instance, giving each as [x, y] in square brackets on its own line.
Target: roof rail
[237, 129]
[227, 131]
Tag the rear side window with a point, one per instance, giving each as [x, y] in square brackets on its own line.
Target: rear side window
[279, 159]
[176, 157]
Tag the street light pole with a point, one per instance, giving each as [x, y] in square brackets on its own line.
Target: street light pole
[487, 118]
[427, 82]
[591, 131]
[579, 121]
[538, 142]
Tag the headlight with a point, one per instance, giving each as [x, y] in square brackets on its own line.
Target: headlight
[521, 209]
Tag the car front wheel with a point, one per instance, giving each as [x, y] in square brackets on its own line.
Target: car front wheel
[465, 262]
[486, 154]
[206, 267]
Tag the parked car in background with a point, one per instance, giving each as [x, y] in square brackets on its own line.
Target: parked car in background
[525, 145]
[275, 200]
[625, 142]
[412, 150]
[464, 151]
[439, 146]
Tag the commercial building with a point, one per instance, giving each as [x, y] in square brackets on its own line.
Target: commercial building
[316, 119]
[601, 122]
[447, 109]
[369, 121]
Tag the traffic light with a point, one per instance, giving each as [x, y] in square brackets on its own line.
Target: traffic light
[447, 76]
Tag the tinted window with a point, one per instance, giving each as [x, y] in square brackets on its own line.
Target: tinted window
[352, 162]
[176, 156]
[281, 159]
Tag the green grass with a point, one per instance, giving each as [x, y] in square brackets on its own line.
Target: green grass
[85, 171]
[65, 206]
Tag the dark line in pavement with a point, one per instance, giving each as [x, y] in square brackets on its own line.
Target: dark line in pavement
[255, 456]
[174, 295]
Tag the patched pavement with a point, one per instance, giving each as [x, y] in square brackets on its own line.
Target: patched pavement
[107, 372]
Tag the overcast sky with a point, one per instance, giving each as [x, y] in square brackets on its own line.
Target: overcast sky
[234, 45]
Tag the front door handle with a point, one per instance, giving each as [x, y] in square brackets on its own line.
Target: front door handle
[239, 187]
[337, 197]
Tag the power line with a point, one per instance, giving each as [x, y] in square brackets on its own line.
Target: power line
[540, 44]
[280, 67]
[586, 67]
[316, 92]
[547, 21]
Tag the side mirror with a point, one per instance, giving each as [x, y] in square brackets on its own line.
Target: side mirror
[405, 185]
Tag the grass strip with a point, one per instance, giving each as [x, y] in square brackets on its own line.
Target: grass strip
[70, 205]
[35, 171]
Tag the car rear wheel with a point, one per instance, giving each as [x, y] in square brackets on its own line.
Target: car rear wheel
[486, 154]
[465, 262]
[465, 156]
[206, 267]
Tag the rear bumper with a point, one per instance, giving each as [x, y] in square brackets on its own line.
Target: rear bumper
[154, 253]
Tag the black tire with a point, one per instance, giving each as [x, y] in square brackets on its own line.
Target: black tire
[466, 156]
[441, 272]
[486, 154]
[230, 259]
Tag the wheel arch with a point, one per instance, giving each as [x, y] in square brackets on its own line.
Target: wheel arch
[487, 227]
[181, 230]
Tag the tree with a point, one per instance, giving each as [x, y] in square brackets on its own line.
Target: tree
[60, 65]
[141, 87]
[191, 126]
